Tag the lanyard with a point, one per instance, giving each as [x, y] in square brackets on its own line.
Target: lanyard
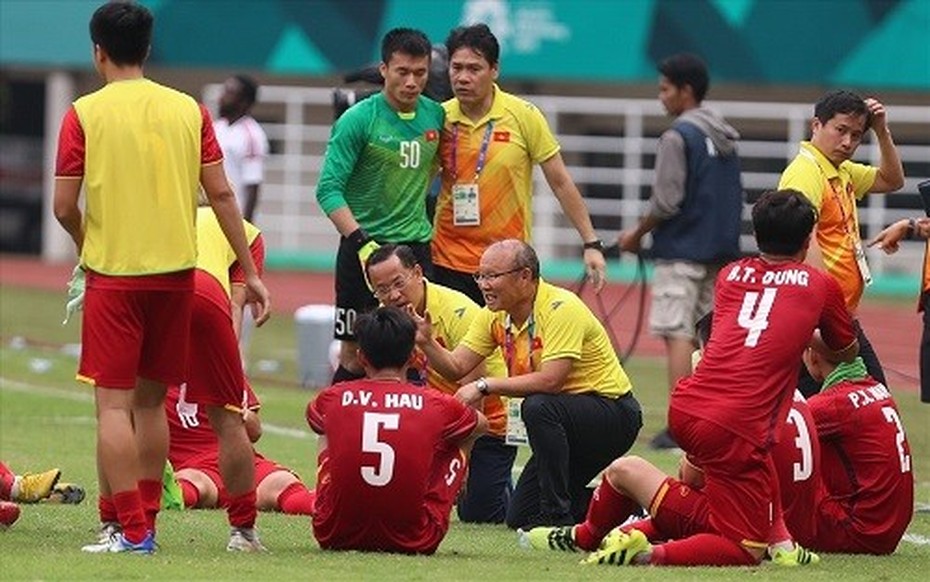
[839, 203]
[837, 199]
[510, 348]
[482, 151]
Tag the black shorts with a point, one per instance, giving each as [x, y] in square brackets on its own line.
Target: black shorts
[352, 293]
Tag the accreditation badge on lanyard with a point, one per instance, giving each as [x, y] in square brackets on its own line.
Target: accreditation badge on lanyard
[853, 233]
[516, 429]
[862, 262]
[466, 199]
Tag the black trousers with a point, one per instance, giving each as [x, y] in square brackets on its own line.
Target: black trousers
[808, 386]
[925, 351]
[490, 484]
[573, 437]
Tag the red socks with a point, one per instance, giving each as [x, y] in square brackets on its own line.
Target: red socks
[295, 499]
[190, 492]
[107, 510]
[150, 490]
[702, 550]
[128, 506]
[242, 511]
[649, 529]
[608, 509]
[6, 482]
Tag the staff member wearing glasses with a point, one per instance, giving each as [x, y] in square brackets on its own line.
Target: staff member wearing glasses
[578, 406]
[396, 277]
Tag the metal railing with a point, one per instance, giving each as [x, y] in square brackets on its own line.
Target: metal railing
[609, 147]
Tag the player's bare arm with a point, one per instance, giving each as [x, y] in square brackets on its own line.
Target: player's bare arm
[214, 182]
[67, 211]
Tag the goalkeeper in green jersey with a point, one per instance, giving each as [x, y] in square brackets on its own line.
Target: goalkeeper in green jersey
[381, 157]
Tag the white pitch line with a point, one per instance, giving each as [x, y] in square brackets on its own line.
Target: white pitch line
[22, 387]
[15, 386]
[916, 539]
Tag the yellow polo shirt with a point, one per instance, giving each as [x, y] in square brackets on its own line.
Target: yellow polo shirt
[561, 326]
[833, 191]
[519, 138]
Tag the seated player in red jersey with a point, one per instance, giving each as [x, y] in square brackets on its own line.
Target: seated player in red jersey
[392, 456]
[866, 496]
[728, 414]
[194, 453]
[795, 455]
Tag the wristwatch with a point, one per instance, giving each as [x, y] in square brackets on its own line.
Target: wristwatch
[482, 385]
[597, 245]
[911, 229]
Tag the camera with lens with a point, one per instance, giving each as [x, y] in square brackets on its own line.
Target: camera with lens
[345, 98]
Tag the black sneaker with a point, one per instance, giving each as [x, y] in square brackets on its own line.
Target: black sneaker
[663, 441]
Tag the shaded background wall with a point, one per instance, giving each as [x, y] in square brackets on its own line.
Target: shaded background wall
[837, 42]
[757, 50]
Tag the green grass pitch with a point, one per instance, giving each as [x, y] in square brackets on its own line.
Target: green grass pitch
[47, 419]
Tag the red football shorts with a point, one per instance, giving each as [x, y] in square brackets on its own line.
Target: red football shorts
[678, 511]
[208, 463]
[215, 376]
[136, 327]
[739, 478]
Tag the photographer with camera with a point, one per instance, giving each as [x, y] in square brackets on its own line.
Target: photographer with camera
[378, 165]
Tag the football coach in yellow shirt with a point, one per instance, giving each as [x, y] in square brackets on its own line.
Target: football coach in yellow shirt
[578, 406]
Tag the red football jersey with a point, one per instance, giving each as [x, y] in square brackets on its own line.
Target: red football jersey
[384, 438]
[764, 316]
[190, 433]
[866, 464]
[797, 463]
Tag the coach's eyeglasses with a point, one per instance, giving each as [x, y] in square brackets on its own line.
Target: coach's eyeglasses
[397, 284]
[479, 277]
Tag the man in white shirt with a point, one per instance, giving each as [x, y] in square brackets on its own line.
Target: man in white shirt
[242, 140]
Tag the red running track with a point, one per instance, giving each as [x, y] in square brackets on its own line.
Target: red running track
[893, 327]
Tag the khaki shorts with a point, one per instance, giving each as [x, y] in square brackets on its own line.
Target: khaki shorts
[682, 292]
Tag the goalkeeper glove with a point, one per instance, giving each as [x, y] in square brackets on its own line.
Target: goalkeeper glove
[364, 246]
[75, 293]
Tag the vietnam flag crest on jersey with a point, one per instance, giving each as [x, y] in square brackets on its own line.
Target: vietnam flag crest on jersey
[431, 135]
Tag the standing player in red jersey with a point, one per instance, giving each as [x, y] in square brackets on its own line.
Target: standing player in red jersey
[727, 414]
[141, 151]
[866, 499]
[392, 456]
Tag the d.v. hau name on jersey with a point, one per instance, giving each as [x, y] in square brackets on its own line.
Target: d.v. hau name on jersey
[364, 398]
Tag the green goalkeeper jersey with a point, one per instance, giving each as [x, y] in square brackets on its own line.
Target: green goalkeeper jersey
[379, 163]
